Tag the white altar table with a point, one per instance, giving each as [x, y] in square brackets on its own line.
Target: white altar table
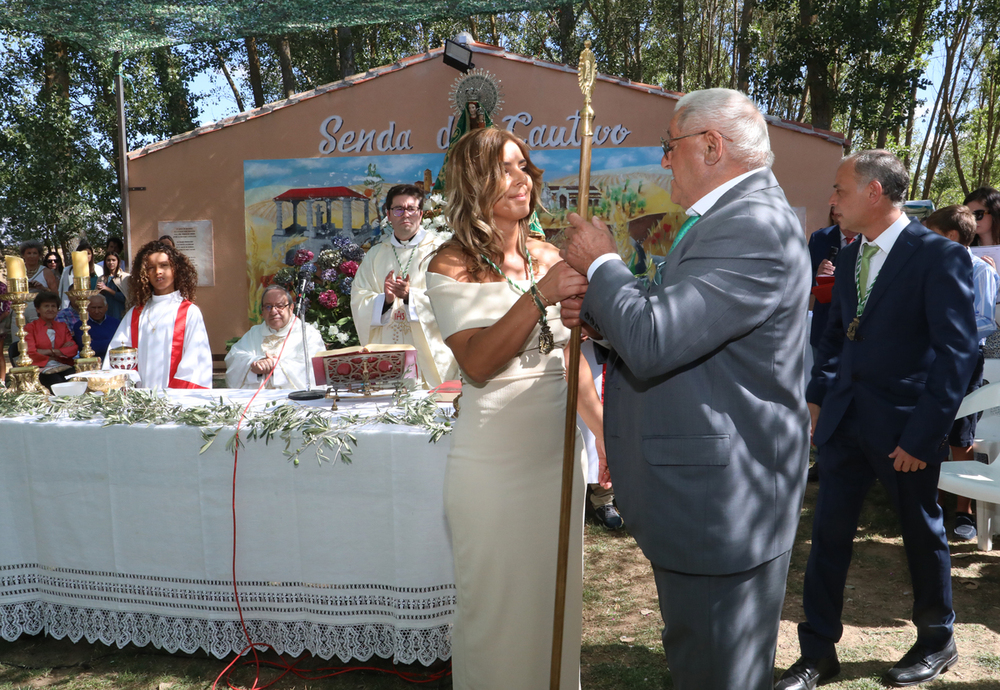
[124, 535]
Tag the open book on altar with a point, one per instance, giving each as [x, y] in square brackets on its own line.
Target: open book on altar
[374, 365]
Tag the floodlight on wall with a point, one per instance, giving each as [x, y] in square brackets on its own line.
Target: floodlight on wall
[457, 55]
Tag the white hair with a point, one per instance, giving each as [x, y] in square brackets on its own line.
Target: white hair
[100, 297]
[733, 114]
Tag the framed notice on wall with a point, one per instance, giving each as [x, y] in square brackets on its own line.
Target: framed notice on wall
[195, 240]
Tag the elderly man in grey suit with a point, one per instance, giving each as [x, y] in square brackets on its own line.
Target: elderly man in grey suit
[705, 417]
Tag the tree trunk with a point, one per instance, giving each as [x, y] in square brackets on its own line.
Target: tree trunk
[229, 79]
[56, 58]
[284, 52]
[895, 86]
[253, 67]
[743, 47]
[817, 73]
[681, 45]
[566, 19]
[345, 42]
[179, 104]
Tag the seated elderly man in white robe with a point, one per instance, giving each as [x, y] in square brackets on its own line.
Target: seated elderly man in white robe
[274, 347]
[388, 296]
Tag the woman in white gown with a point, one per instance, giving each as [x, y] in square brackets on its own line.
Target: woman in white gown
[494, 290]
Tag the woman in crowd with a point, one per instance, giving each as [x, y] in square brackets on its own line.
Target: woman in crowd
[494, 289]
[66, 282]
[114, 285]
[985, 206]
[39, 277]
[53, 262]
[49, 342]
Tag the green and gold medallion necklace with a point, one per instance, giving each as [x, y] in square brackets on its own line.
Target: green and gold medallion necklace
[546, 342]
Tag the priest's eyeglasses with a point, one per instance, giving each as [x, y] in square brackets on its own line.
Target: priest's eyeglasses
[272, 307]
[668, 144]
[400, 211]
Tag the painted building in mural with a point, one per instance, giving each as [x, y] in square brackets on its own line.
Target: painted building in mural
[296, 174]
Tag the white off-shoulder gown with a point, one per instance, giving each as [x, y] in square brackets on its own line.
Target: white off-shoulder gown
[502, 494]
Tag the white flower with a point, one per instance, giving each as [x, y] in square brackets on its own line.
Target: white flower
[343, 337]
[438, 199]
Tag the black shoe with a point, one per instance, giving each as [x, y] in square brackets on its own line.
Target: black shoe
[609, 516]
[919, 666]
[965, 526]
[806, 673]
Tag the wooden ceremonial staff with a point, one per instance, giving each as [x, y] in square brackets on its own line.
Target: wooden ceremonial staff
[586, 73]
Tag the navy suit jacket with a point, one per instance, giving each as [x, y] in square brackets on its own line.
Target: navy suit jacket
[820, 243]
[910, 366]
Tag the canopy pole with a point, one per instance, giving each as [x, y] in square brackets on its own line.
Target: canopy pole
[123, 157]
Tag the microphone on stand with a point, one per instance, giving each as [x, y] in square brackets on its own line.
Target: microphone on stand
[305, 273]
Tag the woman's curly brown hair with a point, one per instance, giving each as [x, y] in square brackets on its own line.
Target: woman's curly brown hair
[185, 274]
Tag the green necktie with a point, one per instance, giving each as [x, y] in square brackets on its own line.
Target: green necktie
[683, 231]
[867, 252]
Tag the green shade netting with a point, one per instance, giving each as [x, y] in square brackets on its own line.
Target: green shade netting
[134, 26]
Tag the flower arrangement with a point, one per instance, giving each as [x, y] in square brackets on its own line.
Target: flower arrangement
[328, 289]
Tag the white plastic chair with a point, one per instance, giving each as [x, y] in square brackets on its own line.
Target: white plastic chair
[988, 428]
[981, 482]
[991, 370]
[975, 479]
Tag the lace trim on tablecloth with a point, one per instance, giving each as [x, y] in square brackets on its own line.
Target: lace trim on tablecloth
[222, 638]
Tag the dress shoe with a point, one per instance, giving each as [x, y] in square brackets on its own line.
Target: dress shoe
[919, 666]
[806, 673]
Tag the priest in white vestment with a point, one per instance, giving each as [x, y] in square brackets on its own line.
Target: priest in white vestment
[165, 327]
[274, 347]
[388, 296]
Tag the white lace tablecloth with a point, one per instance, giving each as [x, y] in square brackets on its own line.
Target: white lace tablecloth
[124, 534]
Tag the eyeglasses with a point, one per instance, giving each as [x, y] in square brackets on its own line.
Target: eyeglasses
[51, 261]
[399, 211]
[668, 144]
[271, 307]
[979, 213]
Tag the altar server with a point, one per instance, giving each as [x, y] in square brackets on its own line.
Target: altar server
[164, 325]
[274, 347]
[388, 297]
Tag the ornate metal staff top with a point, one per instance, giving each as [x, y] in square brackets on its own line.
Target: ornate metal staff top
[587, 70]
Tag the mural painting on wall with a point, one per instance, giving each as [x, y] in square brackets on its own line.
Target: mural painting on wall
[329, 210]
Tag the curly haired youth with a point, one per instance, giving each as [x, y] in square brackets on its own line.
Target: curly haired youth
[185, 275]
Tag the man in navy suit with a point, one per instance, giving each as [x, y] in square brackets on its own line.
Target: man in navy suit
[895, 361]
[821, 243]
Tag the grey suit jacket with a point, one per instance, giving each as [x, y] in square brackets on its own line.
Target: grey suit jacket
[705, 419]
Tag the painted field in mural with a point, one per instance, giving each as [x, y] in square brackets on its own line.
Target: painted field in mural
[301, 204]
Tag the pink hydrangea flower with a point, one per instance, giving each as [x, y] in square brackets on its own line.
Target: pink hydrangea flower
[329, 299]
[349, 268]
[302, 256]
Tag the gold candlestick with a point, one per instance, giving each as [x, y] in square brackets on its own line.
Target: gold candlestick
[80, 295]
[24, 374]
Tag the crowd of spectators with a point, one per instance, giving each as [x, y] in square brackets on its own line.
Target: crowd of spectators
[55, 338]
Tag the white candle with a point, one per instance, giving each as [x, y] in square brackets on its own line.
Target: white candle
[81, 265]
[15, 267]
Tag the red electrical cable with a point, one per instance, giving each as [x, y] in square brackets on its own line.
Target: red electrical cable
[251, 645]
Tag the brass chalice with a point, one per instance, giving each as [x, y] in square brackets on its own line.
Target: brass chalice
[80, 296]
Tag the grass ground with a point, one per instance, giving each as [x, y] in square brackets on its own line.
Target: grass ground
[621, 645]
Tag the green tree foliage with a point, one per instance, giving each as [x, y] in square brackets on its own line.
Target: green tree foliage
[855, 67]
